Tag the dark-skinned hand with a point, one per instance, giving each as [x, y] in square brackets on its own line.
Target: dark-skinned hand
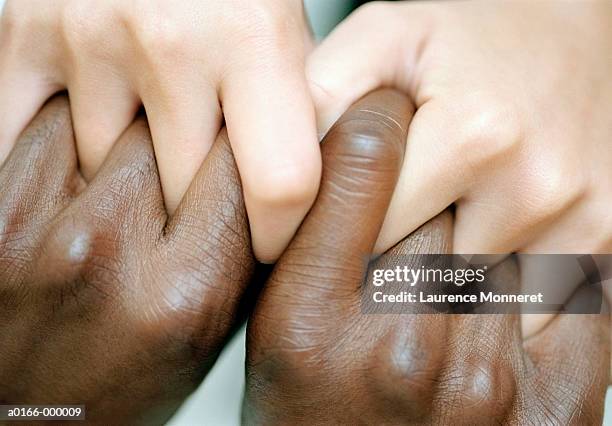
[104, 301]
[313, 357]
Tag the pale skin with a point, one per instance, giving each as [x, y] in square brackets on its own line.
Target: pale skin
[513, 121]
[191, 64]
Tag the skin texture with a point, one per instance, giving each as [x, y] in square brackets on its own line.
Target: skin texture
[103, 299]
[513, 98]
[513, 122]
[341, 366]
[107, 302]
[193, 65]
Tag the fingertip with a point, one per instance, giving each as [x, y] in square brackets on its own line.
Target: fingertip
[272, 129]
[362, 157]
[277, 201]
[293, 183]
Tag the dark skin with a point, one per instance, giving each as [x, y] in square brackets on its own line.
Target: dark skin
[107, 302]
[104, 301]
[343, 367]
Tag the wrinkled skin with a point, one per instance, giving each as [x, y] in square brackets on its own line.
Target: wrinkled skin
[314, 358]
[104, 301]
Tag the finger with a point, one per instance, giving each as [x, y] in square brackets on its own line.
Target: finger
[119, 213]
[22, 94]
[126, 189]
[588, 216]
[434, 237]
[411, 382]
[565, 274]
[561, 237]
[209, 236]
[213, 206]
[484, 348]
[572, 356]
[542, 191]
[448, 140]
[479, 381]
[361, 158]
[26, 77]
[557, 276]
[102, 109]
[271, 126]
[38, 180]
[184, 124]
[41, 170]
[446, 145]
[484, 226]
[376, 46]
[420, 248]
[427, 153]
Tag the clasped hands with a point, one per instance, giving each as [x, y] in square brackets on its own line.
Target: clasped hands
[107, 301]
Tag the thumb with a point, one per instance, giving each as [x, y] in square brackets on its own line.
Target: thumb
[378, 45]
[361, 161]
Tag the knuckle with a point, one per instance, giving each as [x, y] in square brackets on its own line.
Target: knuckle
[75, 250]
[552, 188]
[405, 369]
[489, 129]
[287, 186]
[289, 363]
[480, 387]
[202, 284]
[84, 27]
[74, 23]
[161, 40]
[181, 313]
[287, 347]
[264, 22]
[267, 34]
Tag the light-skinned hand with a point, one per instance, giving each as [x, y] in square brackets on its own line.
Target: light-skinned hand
[513, 121]
[190, 64]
